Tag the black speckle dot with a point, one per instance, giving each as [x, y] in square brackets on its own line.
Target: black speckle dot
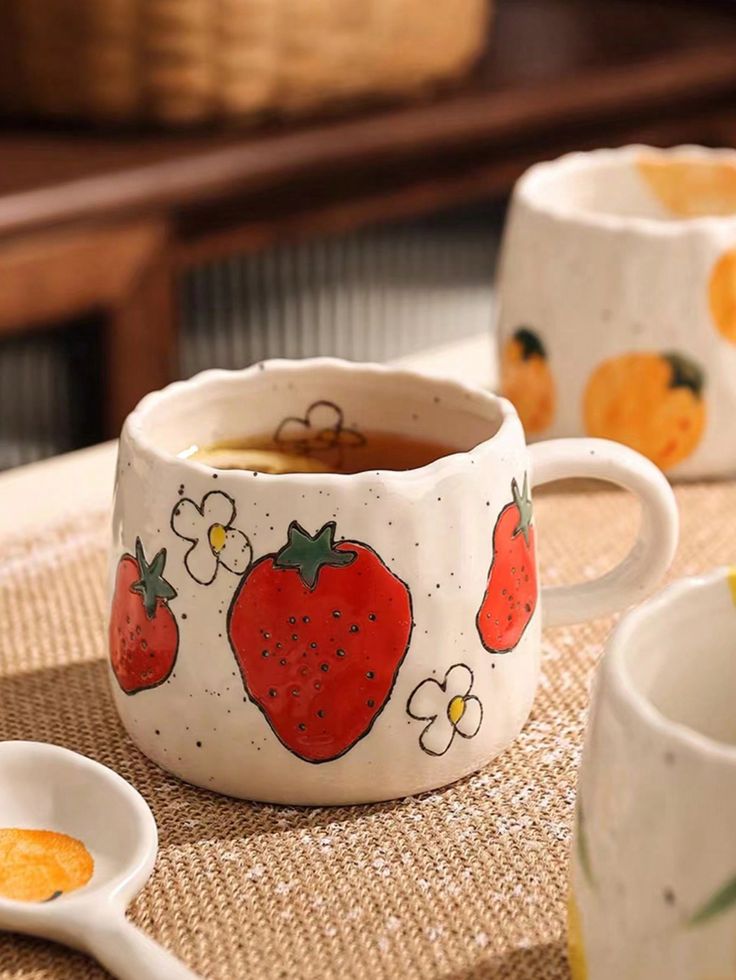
[669, 758]
[669, 896]
[158, 732]
[214, 476]
[199, 745]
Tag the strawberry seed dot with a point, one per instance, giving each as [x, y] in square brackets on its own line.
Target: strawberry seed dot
[313, 645]
[301, 726]
[264, 653]
[283, 661]
[321, 713]
[371, 703]
[272, 693]
[324, 667]
[341, 653]
[370, 675]
[353, 628]
[335, 612]
[292, 619]
[372, 617]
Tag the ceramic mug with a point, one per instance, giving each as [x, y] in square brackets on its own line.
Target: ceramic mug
[319, 638]
[617, 303]
[654, 859]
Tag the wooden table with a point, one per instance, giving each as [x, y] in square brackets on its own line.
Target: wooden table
[107, 222]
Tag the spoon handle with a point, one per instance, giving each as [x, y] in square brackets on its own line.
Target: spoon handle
[129, 954]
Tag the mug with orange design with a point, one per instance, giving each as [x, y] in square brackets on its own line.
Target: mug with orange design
[617, 299]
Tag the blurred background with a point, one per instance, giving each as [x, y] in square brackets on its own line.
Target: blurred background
[196, 183]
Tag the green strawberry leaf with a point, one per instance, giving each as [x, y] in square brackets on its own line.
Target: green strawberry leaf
[152, 585]
[524, 505]
[309, 554]
[723, 899]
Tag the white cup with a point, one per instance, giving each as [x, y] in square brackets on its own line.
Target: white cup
[617, 303]
[653, 875]
[336, 638]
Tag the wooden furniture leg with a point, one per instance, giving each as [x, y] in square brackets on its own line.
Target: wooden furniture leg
[121, 270]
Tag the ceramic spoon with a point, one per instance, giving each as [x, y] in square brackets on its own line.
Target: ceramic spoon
[44, 787]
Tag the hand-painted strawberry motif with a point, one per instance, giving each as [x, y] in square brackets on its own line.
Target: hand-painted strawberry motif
[143, 635]
[319, 631]
[511, 594]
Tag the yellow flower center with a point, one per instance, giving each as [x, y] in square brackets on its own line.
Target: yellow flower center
[218, 536]
[456, 709]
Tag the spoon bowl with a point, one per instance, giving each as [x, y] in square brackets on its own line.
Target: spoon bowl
[48, 788]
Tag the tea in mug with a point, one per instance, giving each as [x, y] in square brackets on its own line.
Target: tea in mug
[347, 451]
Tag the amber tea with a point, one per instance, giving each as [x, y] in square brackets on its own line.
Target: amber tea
[347, 451]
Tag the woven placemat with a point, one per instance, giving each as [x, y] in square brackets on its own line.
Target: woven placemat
[464, 883]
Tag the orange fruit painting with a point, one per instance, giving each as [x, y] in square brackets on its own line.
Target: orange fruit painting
[691, 188]
[722, 295]
[575, 947]
[527, 381]
[40, 865]
[649, 401]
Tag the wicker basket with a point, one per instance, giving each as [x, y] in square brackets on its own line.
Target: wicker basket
[184, 61]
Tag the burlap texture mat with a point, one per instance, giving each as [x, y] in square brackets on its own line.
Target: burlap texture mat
[464, 883]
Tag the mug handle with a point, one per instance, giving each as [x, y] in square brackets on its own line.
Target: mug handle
[652, 552]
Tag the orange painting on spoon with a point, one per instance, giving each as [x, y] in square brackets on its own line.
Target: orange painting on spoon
[40, 865]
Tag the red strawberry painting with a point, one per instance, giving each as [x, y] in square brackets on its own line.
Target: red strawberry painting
[319, 631]
[143, 634]
[511, 594]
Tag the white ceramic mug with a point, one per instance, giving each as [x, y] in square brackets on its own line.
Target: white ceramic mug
[321, 638]
[653, 871]
[617, 303]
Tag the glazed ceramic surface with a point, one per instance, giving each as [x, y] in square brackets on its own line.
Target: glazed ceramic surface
[331, 638]
[654, 859]
[617, 297]
[77, 843]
